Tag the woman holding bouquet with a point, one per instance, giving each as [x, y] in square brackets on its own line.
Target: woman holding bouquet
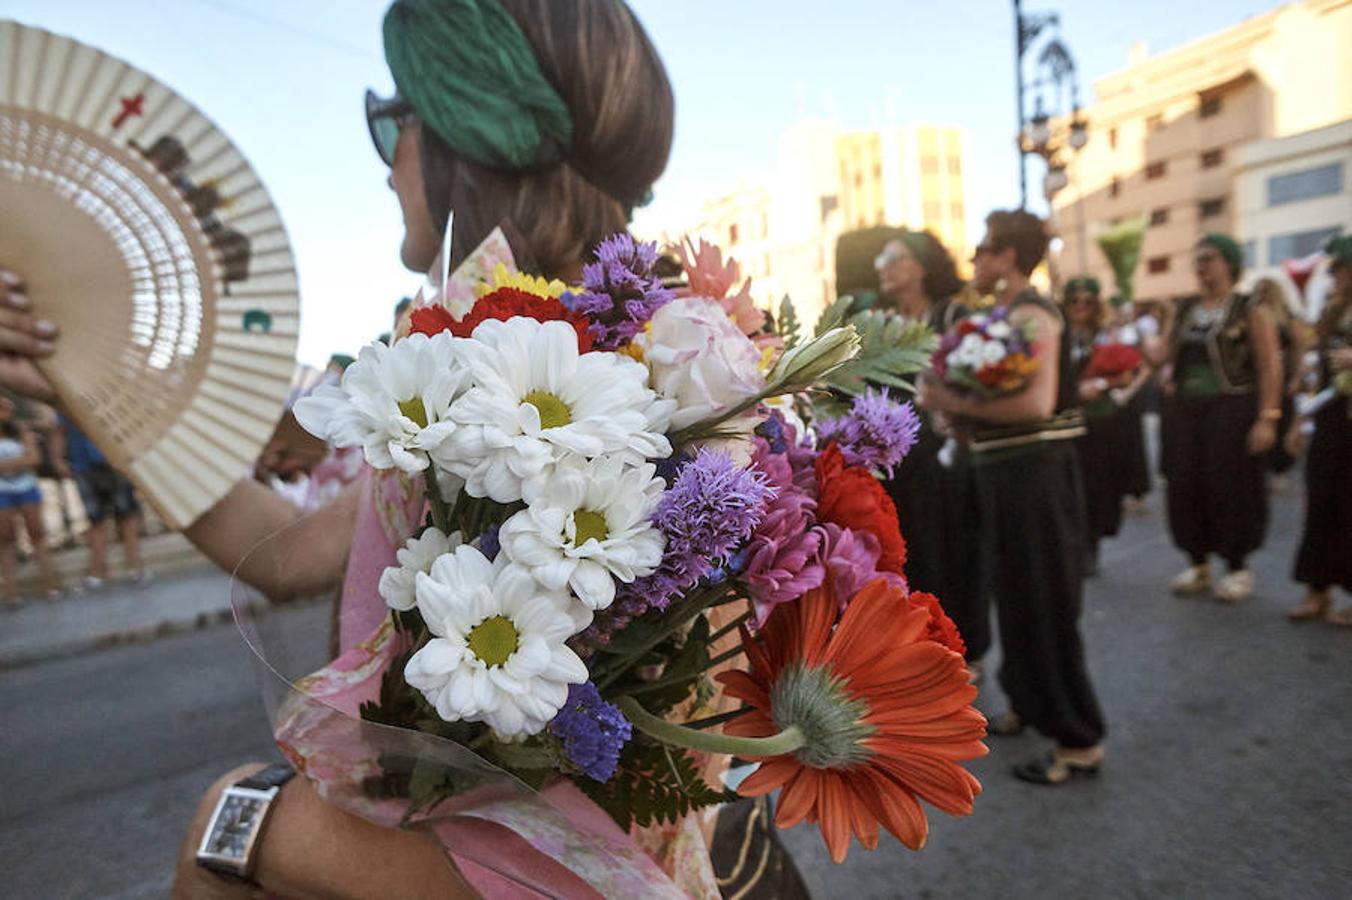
[936, 504]
[1324, 560]
[551, 118]
[1105, 373]
[1223, 384]
[1032, 510]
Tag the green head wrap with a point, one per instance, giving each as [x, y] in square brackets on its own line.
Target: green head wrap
[1228, 249]
[1081, 284]
[915, 243]
[471, 76]
[1339, 250]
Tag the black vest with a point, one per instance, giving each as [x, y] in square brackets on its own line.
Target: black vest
[1227, 342]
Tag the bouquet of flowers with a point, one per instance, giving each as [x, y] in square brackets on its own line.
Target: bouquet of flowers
[1112, 362]
[623, 535]
[986, 355]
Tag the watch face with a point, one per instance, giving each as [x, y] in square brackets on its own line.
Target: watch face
[234, 826]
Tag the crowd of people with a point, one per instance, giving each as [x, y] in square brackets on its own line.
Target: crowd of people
[42, 457]
[1015, 517]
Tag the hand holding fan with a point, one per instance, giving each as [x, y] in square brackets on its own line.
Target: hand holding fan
[145, 235]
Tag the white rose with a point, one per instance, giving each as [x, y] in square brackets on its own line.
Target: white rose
[999, 330]
[700, 359]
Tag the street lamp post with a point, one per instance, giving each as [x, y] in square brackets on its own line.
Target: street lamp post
[1054, 75]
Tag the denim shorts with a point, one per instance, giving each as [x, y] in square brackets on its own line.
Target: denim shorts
[104, 492]
[16, 499]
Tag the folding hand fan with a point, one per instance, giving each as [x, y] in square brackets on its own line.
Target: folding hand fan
[147, 237]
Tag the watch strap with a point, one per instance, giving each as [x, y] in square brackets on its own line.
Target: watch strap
[273, 776]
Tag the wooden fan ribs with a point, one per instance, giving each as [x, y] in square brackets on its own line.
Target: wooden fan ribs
[149, 239]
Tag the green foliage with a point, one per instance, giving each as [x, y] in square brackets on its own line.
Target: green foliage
[890, 349]
[1122, 248]
[652, 783]
[787, 325]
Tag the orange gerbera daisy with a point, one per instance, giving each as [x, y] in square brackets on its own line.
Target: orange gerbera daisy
[885, 712]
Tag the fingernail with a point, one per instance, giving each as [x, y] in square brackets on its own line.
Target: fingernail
[18, 301]
[46, 347]
[43, 327]
[10, 277]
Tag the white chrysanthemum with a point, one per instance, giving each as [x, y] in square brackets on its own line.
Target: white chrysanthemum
[999, 330]
[586, 526]
[393, 402]
[992, 352]
[397, 582]
[535, 400]
[498, 654]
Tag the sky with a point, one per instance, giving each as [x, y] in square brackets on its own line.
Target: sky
[284, 79]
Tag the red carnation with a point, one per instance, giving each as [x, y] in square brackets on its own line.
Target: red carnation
[849, 496]
[941, 629]
[502, 304]
[1112, 361]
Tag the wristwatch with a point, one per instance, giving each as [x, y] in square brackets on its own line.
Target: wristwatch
[229, 845]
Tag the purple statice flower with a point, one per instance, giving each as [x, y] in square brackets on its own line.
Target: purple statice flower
[877, 433]
[784, 556]
[488, 542]
[620, 292]
[592, 731]
[851, 561]
[708, 513]
[772, 430]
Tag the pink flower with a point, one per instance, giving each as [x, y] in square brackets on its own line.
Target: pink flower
[851, 561]
[710, 277]
[784, 557]
[699, 359]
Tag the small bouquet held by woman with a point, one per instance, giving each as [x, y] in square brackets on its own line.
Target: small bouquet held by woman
[621, 538]
[984, 355]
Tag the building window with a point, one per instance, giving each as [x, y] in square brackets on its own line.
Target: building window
[954, 165]
[1213, 207]
[1320, 181]
[858, 179]
[1250, 254]
[1212, 158]
[1298, 244]
[955, 210]
[1114, 187]
[1157, 265]
[1155, 170]
[877, 170]
[1159, 216]
[732, 233]
[929, 165]
[933, 212]
[1112, 138]
[1154, 123]
[1209, 107]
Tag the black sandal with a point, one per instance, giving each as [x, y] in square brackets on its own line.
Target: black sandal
[1052, 769]
[1007, 724]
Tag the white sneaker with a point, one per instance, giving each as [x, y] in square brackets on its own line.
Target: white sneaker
[1192, 581]
[91, 583]
[1235, 586]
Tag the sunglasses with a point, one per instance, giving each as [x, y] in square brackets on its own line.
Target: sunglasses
[385, 119]
[887, 258]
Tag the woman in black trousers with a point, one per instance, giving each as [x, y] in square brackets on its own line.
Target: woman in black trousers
[1032, 508]
[1222, 408]
[936, 503]
[1324, 560]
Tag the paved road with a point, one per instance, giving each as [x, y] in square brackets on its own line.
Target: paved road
[1228, 774]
